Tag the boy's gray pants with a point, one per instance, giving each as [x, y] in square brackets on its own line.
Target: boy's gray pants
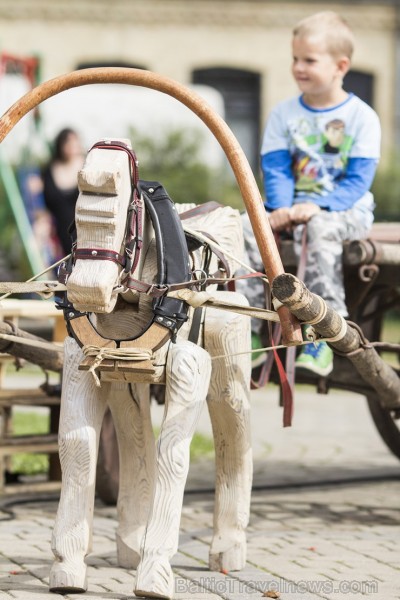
[326, 232]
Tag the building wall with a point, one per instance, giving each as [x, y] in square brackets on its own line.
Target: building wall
[174, 37]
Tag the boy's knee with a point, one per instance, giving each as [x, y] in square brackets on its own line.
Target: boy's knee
[323, 226]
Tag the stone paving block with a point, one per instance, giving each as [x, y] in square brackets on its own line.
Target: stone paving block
[94, 560]
[22, 595]
[111, 572]
[197, 549]
[116, 587]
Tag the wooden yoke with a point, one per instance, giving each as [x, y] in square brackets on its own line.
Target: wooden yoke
[291, 331]
[153, 338]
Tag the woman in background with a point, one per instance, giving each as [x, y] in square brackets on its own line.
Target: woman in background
[60, 188]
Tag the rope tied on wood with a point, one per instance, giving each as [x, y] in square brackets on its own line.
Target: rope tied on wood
[344, 337]
[103, 353]
[313, 335]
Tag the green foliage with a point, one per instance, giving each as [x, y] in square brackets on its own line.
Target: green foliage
[30, 423]
[13, 261]
[386, 190]
[175, 161]
[8, 226]
[201, 447]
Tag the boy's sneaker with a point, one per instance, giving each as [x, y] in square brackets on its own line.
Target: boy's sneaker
[257, 358]
[317, 358]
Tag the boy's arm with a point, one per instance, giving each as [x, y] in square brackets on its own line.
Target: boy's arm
[278, 179]
[278, 186]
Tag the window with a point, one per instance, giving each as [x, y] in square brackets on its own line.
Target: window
[241, 93]
[361, 84]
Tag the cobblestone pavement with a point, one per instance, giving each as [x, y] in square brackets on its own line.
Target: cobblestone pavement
[325, 519]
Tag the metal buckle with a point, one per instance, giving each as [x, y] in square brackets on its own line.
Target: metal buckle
[201, 285]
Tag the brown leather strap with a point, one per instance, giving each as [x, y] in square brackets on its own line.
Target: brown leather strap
[98, 254]
[223, 265]
[118, 145]
[201, 209]
[157, 291]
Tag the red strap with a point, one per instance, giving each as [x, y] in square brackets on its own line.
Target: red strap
[287, 391]
[289, 378]
[286, 382]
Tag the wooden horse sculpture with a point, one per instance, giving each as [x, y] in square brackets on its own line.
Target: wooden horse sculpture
[125, 339]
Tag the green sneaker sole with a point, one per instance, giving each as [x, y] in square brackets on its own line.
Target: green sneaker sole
[314, 368]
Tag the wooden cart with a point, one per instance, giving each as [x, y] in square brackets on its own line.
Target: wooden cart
[372, 284]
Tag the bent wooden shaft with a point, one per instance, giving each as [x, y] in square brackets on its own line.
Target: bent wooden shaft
[251, 195]
[50, 360]
[306, 306]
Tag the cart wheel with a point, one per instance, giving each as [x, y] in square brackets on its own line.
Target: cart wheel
[387, 423]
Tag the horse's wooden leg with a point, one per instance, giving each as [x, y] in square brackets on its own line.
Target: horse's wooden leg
[187, 377]
[130, 407]
[82, 411]
[229, 406]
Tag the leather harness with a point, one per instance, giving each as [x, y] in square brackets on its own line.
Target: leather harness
[173, 270]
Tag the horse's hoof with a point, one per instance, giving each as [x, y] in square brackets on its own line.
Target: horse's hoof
[67, 579]
[154, 579]
[232, 559]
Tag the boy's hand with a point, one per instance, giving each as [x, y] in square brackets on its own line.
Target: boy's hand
[301, 213]
[280, 219]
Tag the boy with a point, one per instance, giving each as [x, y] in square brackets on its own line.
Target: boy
[319, 155]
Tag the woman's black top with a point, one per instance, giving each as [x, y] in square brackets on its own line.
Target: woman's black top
[61, 204]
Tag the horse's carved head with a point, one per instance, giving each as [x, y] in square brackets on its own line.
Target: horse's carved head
[105, 193]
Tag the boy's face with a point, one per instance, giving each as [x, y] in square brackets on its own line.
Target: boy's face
[317, 72]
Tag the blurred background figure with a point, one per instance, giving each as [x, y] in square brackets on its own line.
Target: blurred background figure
[60, 188]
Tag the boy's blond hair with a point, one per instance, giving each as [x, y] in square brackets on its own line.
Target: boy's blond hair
[332, 28]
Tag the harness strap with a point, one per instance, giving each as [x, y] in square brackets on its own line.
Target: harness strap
[117, 145]
[196, 325]
[158, 290]
[200, 209]
[99, 254]
[219, 254]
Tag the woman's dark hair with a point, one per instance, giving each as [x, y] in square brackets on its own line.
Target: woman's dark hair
[59, 142]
